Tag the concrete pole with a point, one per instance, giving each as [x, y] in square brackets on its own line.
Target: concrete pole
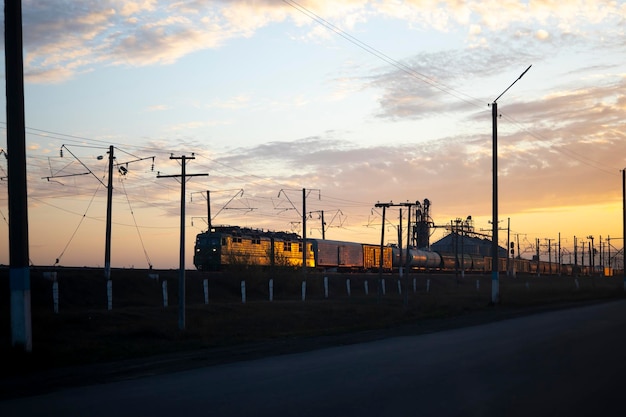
[304, 234]
[19, 272]
[495, 290]
[624, 226]
[107, 238]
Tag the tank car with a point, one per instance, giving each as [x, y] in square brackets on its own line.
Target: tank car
[418, 258]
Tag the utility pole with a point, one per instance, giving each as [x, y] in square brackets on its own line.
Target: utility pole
[624, 227]
[592, 255]
[181, 273]
[508, 244]
[408, 259]
[495, 263]
[549, 256]
[304, 234]
[382, 241]
[382, 244]
[208, 210]
[582, 254]
[560, 260]
[538, 255]
[19, 272]
[401, 266]
[107, 242]
[107, 238]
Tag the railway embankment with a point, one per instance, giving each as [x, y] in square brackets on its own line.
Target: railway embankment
[249, 313]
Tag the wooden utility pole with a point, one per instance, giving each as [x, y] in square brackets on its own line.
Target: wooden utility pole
[181, 273]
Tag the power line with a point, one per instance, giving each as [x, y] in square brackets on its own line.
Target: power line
[399, 65]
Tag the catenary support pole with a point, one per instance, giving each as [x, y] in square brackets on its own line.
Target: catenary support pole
[624, 226]
[107, 238]
[208, 210]
[304, 234]
[381, 260]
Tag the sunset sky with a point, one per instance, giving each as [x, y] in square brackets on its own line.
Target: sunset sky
[356, 101]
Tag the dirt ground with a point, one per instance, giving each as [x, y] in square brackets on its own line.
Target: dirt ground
[85, 342]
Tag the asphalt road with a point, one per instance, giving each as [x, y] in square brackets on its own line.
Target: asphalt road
[568, 362]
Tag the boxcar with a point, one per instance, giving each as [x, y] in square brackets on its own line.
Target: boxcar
[337, 254]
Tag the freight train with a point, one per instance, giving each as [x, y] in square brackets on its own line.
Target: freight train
[228, 246]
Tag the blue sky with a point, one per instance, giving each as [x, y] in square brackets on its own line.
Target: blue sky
[357, 101]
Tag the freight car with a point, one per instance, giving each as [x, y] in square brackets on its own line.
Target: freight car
[417, 258]
[225, 246]
[228, 246]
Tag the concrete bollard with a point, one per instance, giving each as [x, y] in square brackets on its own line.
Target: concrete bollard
[109, 294]
[271, 289]
[325, 287]
[164, 290]
[55, 296]
[52, 276]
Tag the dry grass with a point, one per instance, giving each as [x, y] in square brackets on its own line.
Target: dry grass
[84, 331]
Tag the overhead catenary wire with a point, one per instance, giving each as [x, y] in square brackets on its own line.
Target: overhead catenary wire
[58, 259]
[143, 246]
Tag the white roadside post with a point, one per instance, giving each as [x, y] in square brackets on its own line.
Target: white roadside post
[271, 285]
[164, 290]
